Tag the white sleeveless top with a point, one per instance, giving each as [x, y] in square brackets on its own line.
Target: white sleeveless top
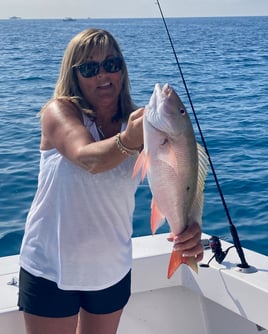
[78, 230]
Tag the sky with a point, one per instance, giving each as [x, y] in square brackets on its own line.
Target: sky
[130, 8]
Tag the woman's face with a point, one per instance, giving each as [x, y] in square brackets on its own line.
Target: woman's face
[103, 89]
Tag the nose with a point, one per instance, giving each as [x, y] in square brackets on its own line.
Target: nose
[101, 70]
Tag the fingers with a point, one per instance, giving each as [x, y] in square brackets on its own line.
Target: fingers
[136, 114]
[139, 112]
[133, 135]
[189, 242]
[197, 251]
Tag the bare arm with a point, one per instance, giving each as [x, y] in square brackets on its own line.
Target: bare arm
[63, 129]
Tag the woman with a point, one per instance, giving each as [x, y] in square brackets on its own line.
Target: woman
[76, 252]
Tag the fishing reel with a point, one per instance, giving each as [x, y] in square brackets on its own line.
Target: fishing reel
[214, 244]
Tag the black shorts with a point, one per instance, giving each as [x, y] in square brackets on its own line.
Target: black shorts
[42, 297]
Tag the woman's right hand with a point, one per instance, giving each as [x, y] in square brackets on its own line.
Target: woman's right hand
[132, 136]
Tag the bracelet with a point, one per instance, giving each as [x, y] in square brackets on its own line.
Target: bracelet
[122, 148]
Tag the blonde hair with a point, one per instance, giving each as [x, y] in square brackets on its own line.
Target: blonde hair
[79, 51]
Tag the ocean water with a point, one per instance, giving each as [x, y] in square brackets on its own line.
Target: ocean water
[225, 66]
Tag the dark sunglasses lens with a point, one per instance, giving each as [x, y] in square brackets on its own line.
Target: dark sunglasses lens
[113, 65]
[88, 70]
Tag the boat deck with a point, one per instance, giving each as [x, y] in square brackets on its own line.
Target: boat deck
[218, 299]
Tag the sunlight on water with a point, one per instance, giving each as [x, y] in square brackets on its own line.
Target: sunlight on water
[224, 61]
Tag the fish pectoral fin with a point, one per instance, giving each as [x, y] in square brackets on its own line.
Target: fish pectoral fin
[157, 218]
[176, 259]
[168, 156]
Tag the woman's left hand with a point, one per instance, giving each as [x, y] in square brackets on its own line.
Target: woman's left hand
[189, 242]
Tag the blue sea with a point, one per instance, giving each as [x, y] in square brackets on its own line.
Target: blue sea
[225, 66]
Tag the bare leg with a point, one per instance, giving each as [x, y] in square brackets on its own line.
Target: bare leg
[98, 323]
[43, 325]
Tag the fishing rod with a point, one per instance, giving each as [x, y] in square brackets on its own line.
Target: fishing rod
[244, 265]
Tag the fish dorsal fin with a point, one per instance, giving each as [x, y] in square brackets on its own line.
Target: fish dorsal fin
[197, 207]
[157, 218]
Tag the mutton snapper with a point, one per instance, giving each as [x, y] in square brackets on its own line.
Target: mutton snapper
[176, 167]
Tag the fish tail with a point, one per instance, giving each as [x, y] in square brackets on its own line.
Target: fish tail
[191, 262]
[176, 259]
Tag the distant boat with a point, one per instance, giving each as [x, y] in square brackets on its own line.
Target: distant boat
[15, 18]
[68, 19]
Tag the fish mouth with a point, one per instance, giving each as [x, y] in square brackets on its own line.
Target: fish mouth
[161, 95]
[163, 109]
[167, 90]
[164, 92]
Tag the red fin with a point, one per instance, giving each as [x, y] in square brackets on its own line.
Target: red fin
[174, 262]
[146, 165]
[157, 218]
[138, 165]
[142, 164]
[176, 259]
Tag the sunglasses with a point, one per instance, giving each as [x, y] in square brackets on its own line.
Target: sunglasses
[92, 68]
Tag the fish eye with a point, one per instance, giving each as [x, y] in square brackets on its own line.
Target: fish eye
[164, 141]
[182, 111]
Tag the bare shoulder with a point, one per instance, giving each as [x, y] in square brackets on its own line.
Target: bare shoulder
[58, 118]
[59, 108]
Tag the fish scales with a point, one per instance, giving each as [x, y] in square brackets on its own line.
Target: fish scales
[175, 165]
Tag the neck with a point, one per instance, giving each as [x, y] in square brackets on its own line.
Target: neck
[101, 134]
[105, 114]
[108, 129]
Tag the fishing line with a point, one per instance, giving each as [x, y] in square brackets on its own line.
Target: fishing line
[233, 230]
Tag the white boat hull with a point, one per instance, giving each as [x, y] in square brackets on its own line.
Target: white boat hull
[218, 300]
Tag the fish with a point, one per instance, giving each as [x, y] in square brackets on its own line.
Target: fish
[175, 165]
